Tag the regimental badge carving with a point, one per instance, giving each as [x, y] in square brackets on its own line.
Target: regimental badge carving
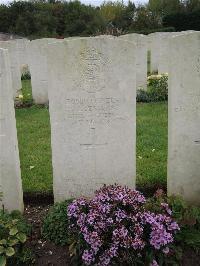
[92, 65]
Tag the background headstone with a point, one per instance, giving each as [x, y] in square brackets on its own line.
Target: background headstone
[92, 101]
[154, 49]
[184, 117]
[141, 58]
[11, 195]
[14, 63]
[37, 51]
[22, 50]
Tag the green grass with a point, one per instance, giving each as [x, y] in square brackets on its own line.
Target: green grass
[151, 144]
[33, 128]
[35, 150]
[27, 92]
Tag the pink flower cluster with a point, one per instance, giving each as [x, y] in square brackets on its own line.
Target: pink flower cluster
[115, 220]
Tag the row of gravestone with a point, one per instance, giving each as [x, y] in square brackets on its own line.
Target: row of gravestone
[92, 103]
[24, 53]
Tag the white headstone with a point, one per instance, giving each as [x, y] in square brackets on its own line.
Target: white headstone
[184, 117]
[141, 58]
[37, 51]
[163, 64]
[11, 196]
[92, 100]
[15, 65]
[22, 50]
[154, 50]
[164, 44]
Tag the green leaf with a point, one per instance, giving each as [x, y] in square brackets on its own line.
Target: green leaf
[12, 242]
[3, 242]
[2, 249]
[2, 260]
[15, 221]
[10, 252]
[21, 237]
[13, 231]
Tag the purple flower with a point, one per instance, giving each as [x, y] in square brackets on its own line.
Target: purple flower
[115, 222]
[173, 226]
[166, 208]
[88, 257]
[166, 250]
[154, 263]
[160, 237]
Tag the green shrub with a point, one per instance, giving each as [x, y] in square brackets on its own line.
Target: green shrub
[25, 95]
[13, 235]
[188, 218]
[157, 90]
[183, 20]
[149, 31]
[55, 224]
[26, 76]
[142, 96]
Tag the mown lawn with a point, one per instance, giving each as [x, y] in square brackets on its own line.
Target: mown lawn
[35, 150]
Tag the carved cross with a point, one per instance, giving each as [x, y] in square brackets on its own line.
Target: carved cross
[93, 144]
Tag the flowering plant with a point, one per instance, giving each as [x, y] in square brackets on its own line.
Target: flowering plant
[115, 227]
[158, 87]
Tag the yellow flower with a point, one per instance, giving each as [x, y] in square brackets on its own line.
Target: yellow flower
[155, 77]
[20, 96]
[165, 74]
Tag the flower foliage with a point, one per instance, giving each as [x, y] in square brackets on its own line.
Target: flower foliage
[157, 89]
[114, 226]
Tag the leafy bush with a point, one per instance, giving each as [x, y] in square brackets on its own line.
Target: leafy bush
[143, 96]
[114, 227]
[13, 231]
[55, 224]
[24, 100]
[188, 218]
[183, 20]
[149, 31]
[157, 89]
[26, 76]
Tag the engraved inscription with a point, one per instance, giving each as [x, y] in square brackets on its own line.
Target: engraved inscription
[198, 65]
[92, 65]
[92, 109]
[190, 103]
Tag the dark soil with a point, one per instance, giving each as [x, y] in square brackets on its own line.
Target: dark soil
[191, 259]
[46, 253]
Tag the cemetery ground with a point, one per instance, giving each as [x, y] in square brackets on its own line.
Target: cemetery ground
[33, 126]
[34, 137]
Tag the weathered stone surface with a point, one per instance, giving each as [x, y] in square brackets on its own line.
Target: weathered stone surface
[14, 63]
[11, 196]
[92, 104]
[163, 63]
[154, 49]
[22, 50]
[164, 50]
[37, 51]
[141, 42]
[159, 48]
[184, 117]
